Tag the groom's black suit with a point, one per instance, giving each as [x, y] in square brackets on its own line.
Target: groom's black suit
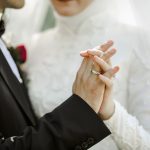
[73, 125]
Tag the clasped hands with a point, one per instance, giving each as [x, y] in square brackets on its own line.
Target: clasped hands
[94, 83]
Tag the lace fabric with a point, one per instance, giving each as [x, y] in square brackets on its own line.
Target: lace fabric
[127, 131]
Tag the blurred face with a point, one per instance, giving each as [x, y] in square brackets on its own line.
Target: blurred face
[11, 4]
[70, 7]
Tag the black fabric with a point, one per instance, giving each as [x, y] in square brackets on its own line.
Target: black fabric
[2, 27]
[73, 125]
[15, 107]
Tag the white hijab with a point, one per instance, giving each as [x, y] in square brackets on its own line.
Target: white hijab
[96, 7]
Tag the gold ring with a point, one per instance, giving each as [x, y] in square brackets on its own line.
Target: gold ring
[95, 72]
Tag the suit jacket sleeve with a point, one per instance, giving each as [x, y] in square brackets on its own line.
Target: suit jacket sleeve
[72, 125]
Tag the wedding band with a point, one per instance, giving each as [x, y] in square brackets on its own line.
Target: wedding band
[95, 72]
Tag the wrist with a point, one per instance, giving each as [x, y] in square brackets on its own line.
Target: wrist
[109, 112]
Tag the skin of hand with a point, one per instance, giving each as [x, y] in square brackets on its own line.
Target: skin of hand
[88, 85]
[107, 107]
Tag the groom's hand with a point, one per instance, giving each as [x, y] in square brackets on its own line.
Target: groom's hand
[88, 85]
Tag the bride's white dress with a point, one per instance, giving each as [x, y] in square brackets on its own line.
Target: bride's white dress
[130, 128]
[54, 60]
[127, 131]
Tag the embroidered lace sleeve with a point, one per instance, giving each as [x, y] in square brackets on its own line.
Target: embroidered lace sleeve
[126, 130]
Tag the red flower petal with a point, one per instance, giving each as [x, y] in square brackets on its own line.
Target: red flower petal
[22, 53]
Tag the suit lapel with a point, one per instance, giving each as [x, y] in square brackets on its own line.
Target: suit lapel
[15, 88]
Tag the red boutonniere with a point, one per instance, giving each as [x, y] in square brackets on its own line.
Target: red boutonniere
[19, 54]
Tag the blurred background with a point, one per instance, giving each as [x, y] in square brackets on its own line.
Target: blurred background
[37, 16]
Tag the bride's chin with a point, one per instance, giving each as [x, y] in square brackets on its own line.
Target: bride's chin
[65, 13]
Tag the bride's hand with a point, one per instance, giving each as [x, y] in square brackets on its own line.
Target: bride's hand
[107, 107]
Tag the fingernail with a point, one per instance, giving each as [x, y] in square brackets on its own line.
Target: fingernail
[116, 68]
[113, 50]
